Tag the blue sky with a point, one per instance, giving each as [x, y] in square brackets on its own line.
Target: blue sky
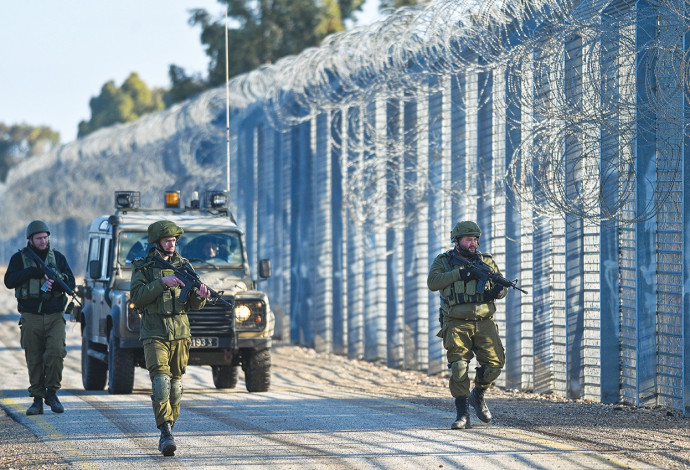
[56, 55]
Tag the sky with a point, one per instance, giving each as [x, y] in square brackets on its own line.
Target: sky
[56, 55]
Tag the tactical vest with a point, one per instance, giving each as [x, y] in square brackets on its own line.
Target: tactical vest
[168, 303]
[31, 289]
[461, 292]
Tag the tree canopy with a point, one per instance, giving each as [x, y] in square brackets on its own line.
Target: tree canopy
[116, 105]
[21, 141]
[395, 4]
[263, 31]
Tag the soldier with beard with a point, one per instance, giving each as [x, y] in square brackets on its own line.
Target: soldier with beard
[41, 303]
[467, 322]
[165, 331]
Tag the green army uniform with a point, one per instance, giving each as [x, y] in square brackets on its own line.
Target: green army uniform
[165, 332]
[468, 328]
[42, 323]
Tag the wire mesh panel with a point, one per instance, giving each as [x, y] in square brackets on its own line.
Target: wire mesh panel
[560, 127]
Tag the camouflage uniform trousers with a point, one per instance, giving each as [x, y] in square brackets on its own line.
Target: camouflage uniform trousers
[465, 339]
[167, 358]
[43, 341]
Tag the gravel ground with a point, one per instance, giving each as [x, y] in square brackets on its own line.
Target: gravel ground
[659, 437]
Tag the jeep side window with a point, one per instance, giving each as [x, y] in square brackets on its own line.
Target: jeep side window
[105, 257]
[93, 249]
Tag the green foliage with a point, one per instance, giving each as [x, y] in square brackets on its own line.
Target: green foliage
[182, 85]
[21, 141]
[395, 4]
[116, 105]
[261, 32]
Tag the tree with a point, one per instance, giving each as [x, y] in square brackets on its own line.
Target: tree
[127, 103]
[182, 85]
[265, 31]
[395, 4]
[21, 141]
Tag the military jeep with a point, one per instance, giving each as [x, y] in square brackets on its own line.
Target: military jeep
[223, 338]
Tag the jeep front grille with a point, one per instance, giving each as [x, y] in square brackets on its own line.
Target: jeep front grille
[212, 320]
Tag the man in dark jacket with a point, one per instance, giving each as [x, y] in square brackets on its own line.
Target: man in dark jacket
[41, 303]
[165, 331]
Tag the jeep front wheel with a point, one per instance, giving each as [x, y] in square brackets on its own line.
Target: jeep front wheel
[225, 376]
[120, 367]
[94, 373]
[257, 369]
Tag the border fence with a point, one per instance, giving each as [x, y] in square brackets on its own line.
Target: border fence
[559, 126]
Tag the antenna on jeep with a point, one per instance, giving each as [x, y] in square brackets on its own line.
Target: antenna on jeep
[227, 108]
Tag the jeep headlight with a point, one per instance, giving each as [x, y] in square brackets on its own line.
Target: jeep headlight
[242, 313]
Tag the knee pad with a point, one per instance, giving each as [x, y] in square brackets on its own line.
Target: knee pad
[175, 392]
[161, 388]
[458, 370]
[487, 375]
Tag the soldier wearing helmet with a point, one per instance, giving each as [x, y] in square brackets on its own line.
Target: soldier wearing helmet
[41, 303]
[165, 332]
[467, 322]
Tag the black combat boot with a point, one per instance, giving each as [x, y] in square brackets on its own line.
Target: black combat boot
[462, 421]
[53, 402]
[479, 405]
[167, 443]
[36, 408]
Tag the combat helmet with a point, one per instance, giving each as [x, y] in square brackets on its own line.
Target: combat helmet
[466, 228]
[163, 229]
[36, 226]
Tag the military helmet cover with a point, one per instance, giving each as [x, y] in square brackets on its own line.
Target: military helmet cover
[36, 226]
[163, 229]
[466, 228]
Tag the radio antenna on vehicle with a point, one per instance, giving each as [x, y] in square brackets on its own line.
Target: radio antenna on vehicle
[227, 109]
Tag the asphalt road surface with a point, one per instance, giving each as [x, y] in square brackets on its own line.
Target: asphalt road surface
[297, 424]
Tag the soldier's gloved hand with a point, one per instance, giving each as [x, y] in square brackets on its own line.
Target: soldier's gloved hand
[493, 293]
[466, 275]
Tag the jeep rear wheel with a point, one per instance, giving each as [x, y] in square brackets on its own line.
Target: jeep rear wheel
[120, 367]
[257, 369]
[94, 373]
[225, 376]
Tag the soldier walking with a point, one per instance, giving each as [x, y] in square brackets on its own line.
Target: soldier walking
[165, 331]
[41, 303]
[467, 322]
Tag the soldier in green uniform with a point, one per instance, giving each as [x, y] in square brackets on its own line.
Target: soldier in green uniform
[41, 303]
[467, 322]
[165, 331]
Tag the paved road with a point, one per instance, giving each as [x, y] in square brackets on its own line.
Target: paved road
[295, 425]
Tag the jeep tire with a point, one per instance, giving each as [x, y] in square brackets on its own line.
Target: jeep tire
[94, 373]
[257, 369]
[120, 367]
[225, 376]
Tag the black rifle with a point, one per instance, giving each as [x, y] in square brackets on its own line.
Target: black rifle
[191, 281]
[482, 272]
[50, 272]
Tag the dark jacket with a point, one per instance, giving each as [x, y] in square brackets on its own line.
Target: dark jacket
[17, 275]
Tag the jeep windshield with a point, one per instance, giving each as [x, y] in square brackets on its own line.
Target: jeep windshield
[218, 249]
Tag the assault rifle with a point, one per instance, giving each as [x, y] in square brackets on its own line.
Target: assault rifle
[482, 272]
[50, 272]
[191, 281]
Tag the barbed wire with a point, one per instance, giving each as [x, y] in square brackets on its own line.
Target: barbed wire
[596, 84]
